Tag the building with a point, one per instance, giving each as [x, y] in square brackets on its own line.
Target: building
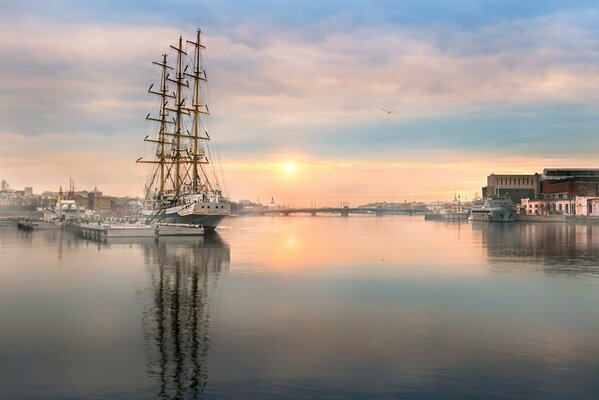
[567, 183]
[578, 205]
[588, 206]
[91, 197]
[516, 187]
[124, 207]
[81, 198]
[548, 206]
[102, 205]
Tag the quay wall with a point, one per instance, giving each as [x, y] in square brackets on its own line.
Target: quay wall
[446, 217]
[540, 218]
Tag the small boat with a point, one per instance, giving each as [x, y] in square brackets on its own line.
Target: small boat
[495, 209]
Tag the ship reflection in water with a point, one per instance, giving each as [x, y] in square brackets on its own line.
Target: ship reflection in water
[547, 247]
[176, 317]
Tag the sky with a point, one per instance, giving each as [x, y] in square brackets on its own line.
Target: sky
[297, 90]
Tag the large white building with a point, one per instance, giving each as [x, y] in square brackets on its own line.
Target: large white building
[579, 205]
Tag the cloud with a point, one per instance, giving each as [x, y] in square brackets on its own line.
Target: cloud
[523, 84]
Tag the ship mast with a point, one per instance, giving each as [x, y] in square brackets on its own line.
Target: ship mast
[163, 114]
[179, 102]
[164, 96]
[196, 108]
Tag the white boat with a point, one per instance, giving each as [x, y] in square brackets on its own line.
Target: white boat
[494, 209]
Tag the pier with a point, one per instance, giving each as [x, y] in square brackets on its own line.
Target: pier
[101, 232]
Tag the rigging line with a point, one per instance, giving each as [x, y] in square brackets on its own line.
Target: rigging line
[169, 175]
[220, 163]
[149, 187]
[207, 96]
[208, 183]
[214, 172]
[219, 159]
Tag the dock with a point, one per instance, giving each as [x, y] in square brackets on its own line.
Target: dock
[446, 217]
[100, 232]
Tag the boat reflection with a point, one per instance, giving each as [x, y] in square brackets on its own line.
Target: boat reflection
[176, 316]
[555, 248]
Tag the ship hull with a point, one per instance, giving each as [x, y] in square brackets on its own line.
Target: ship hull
[208, 222]
[494, 210]
[204, 213]
[500, 215]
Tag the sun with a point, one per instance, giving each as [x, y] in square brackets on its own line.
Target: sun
[289, 168]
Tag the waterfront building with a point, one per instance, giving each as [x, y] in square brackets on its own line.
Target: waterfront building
[567, 183]
[548, 206]
[516, 187]
[577, 205]
[19, 199]
[588, 206]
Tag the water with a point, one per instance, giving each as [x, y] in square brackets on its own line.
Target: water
[304, 307]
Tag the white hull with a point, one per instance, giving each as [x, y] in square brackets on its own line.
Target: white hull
[208, 214]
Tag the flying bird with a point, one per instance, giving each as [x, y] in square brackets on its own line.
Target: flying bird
[388, 111]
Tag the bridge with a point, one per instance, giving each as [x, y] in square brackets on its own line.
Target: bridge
[343, 211]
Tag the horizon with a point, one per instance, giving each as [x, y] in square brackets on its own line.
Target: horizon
[298, 92]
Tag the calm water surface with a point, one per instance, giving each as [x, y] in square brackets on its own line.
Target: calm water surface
[304, 307]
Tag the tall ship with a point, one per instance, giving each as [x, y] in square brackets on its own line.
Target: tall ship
[184, 184]
[495, 209]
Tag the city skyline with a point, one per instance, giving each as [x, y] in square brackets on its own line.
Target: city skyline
[298, 90]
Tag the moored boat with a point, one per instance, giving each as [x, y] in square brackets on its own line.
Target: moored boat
[494, 209]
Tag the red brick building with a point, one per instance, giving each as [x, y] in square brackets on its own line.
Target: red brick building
[567, 183]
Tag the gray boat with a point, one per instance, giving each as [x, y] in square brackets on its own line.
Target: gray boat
[495, 209]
